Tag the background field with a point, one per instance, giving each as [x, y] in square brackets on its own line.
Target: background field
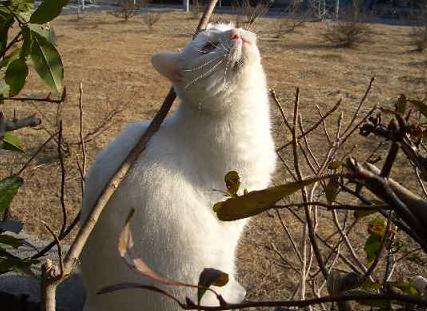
[111, 59]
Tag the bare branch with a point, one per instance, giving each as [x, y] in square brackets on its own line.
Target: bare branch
[31, 121]
[46, 99]
[58, 245]
[314, 126]
[82, 168]
[63, 173]
[356, 114]
[35, 154]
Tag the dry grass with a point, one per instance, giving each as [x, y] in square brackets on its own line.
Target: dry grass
[112, 60]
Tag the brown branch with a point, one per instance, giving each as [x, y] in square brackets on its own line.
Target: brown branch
[356, 114]
[35, 154]
[311, 232]
[58, 245]
[288, 233]
[409, 207]
[347, 242]
[336, 207]
[189, 305]
[31, 121]
[314, 126]
[48, 247]
[46, 99]
[63, 173]
[82, 168]
[282, 111]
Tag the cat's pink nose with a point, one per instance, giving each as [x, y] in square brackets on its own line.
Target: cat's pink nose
[235, 34]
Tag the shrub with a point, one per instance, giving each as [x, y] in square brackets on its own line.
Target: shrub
[244, 8]
[419, 38]
[127, 9]
[294, 18]
[150, 18]
[347, 34]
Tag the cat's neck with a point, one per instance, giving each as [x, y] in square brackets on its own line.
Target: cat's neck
[218, 143]
[245, 110]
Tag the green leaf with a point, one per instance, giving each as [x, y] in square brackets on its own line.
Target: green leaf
[332, 189]
[255, 202]
[16, 74]
[208, 277]
[232, 182]
[12, 142]
[372, 246]
[47, 61]
[45, 31]
[377, 226]
[8, 59]
[10, 240]
[406, 288]
[6, 21]
[8, 188]
[21, 5]
[9, 263]
[47, 11]
[27, 42]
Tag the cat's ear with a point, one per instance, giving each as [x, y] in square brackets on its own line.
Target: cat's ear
[168, 64]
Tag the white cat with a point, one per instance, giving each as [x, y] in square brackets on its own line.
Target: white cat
[222, 124]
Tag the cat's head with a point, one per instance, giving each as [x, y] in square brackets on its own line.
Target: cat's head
[213, 65]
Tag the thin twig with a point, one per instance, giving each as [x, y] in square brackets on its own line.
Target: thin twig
[63, 176]
[314, 126]
[82, 169]
[291, 239]
[16, 124]
[48, 247]
[336, 206]
[58, 245]
[36, 153]
[282, 111]
[356, 114]
[46, 99]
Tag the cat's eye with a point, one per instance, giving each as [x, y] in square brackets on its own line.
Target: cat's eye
[208, 47]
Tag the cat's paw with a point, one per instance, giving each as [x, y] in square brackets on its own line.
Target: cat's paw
[233, 292]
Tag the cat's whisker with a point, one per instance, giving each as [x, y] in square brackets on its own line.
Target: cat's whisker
[221, 41]
[227, 65]
[204, 75]
[203, 65]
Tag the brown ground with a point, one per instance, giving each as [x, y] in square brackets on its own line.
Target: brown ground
[111, 58]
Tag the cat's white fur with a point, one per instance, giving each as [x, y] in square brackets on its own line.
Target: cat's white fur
[222, 124]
